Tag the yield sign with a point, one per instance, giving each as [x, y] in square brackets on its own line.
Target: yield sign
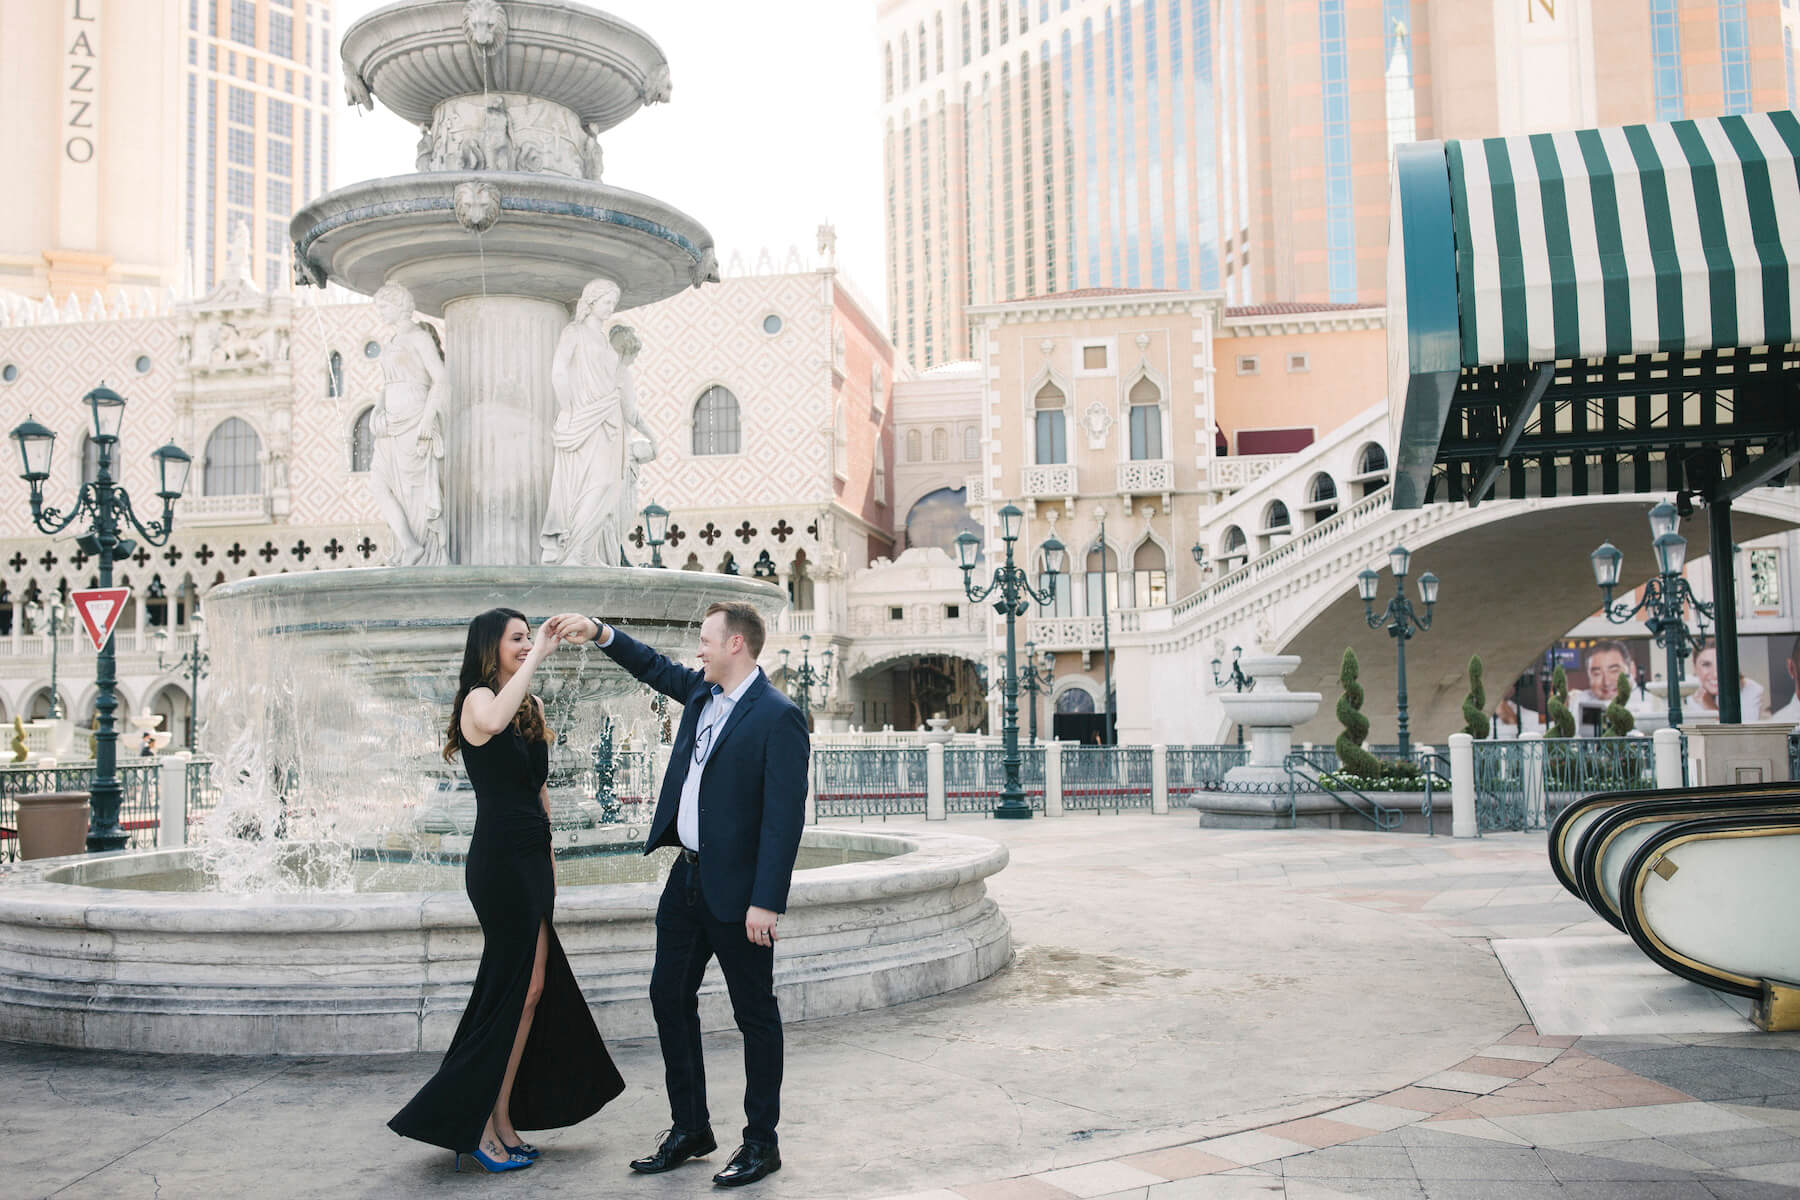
[100, 609]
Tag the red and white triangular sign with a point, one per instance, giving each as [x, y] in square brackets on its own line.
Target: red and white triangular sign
[100, 609]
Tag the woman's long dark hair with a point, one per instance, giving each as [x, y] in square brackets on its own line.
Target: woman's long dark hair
[481, 668]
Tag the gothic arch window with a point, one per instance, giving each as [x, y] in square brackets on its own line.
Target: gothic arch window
[765, 566]
[971, 443]
[887, 70]
[922, 52]
[905, 61]
[940, 444]
[1234, 548]
[1149, 576]
[334, 374]
[729, 565]
[362, 442]
[233, 466]
[915, 446]
[1146, 420]
[716, 427]
[800, 584]
[1276, 519]
[1052, 425]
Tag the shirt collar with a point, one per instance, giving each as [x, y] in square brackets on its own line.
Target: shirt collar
[737, 693]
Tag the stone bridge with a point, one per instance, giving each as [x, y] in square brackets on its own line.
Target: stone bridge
[1515, 576]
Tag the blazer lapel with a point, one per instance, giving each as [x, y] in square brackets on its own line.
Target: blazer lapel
[751, 695]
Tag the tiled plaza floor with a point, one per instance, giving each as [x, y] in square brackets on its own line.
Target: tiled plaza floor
[1191, 1013]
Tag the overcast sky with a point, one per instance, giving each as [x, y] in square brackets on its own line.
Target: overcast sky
[774, 127]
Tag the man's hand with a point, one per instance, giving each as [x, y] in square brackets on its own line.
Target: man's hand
[572, 628]
[759, 926]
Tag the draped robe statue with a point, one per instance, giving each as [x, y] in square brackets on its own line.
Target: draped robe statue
[406, 470]
[593, 487]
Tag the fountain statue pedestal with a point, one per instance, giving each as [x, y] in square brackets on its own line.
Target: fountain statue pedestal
[1255, 795]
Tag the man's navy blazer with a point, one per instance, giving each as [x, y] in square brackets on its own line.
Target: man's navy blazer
[753, 792]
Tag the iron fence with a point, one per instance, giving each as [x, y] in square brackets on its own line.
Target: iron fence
[1103, 777]
[1524, 784]
[869, 781]
[974, 776]
[1200, 769]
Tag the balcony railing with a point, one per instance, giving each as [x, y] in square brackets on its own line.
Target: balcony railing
[1229, 474]
[1052, 482]
[791, 621]
[1143, 477]
[249, 509]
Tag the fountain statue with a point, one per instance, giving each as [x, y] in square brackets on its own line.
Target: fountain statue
[321, 911]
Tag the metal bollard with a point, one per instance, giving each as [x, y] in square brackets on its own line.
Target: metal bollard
[172, 800]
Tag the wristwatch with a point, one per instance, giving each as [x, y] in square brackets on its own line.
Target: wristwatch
[599, 626]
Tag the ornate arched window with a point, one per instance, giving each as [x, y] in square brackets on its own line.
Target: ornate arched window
[1321, 498]
[1149, 577]
[915, 446]
[940, 444]
[716, 429]
[1052, 425]
[362, 442]
[1146, 421]
[887, 71]
[233, 466]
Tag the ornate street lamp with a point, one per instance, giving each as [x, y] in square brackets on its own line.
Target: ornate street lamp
[1036, 680]
[54, 620]
[1401, 619]
[107, 507]
[1239, 681]
[656, 531]
[194, 662]
[1665, 596]
[1016, 596]
[802, 680]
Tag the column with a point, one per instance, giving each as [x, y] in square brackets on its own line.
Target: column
[1462, 787]
[1668, 758]
[498, 456]
[172, 801]
[1053, 792]
[1159, 780]
[934, 782]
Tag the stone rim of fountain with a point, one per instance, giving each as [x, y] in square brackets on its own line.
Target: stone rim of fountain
[414, 55]
[367, 234]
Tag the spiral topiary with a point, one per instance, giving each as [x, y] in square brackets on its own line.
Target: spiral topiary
[1562, 721]
[1617, 720]
[1475, 718]
[1351, 755]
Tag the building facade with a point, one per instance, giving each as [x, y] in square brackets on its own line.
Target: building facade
[152, 129]
[1040, 146]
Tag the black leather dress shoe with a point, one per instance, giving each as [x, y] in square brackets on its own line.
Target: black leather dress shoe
[677, 1147]
[751, 1162]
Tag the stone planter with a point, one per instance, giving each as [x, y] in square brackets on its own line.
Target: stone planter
[52, 824]
[1316, 810]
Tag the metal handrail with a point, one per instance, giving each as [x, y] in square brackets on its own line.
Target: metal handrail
[1379, 815]
[1429, 762]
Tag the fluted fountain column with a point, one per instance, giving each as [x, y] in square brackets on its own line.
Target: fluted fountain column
[497, 482]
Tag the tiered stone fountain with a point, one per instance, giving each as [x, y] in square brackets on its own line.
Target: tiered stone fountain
[1255, 794]
[330, 689]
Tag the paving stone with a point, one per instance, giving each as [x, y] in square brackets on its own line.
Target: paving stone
[1351, 1162]
[1649, 1151]
[1250, 1148]
[1099, 1178]
[1481, 1129]
[1665, 1120]
[1495, 1163]
[1318, 1131]
[1371, 1115]
[1178, 1162]
[1220, 1187]
[1787, 1174]
[1570, 1167]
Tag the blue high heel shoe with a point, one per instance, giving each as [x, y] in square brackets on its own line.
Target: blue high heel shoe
[512, 1162]
[524, 1150]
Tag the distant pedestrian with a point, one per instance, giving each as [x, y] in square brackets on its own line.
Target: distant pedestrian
[148, 749]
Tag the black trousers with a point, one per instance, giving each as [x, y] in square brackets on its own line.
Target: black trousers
[687, 935]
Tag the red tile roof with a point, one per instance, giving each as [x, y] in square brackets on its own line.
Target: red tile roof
[1292, 308]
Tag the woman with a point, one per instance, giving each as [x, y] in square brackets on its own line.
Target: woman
[526, 1053]
[1706, 698]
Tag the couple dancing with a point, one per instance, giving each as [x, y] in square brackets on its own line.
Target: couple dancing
[527, 1054]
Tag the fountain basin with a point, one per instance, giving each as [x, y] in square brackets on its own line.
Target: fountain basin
[86, 964]
[550, 236]
[415, 55]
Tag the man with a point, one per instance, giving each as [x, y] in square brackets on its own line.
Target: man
[1791, 710]
[1605, 663]
[733, 802]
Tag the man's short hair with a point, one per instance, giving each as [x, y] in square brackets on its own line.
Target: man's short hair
[741, 618]
[1794, 653]
[1609, 647]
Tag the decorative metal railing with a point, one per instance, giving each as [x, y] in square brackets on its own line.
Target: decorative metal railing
[1525, 783]
[869, 781]
[1095, 778]
[974, 776]
[1200, 769]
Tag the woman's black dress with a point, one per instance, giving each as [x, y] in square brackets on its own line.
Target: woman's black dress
[565, 1074]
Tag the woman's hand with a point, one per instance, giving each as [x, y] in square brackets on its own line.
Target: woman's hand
[544, 644]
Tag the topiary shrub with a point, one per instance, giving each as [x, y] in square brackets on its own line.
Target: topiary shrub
[1475, 718]
[1351, 756]
[1617, 720]
[1562, 721]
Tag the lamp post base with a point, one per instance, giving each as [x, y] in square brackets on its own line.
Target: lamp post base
[1013, 811]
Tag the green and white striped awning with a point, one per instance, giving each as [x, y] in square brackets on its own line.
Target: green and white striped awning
[1633, 240]
[1597, 246]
